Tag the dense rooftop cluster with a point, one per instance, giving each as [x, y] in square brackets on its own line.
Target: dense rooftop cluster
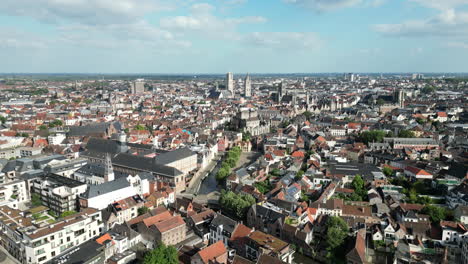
[261, 169]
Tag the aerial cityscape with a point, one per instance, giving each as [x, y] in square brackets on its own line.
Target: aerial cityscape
[228, 132]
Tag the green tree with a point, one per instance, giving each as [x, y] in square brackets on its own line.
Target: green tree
[222, 174]
[387, 171]
[3, 119]
[140, 127]
[358, 182]
[263, 186]
[236, 204]
[246, 136]
[275, 172]
[299, 175]
[231, 161]
[36, 199]
[88, 101]
[162, 254]
[428, 90]
[56, 123]
[372, 136]
[143, 210]
[42, 127]
[337, 232]
[421, 121]
[359, 188]
[436, 214]
[380, 101]
[406, 134]
[304, 197]
[307, 115]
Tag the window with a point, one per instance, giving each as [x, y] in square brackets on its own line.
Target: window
[40, 251]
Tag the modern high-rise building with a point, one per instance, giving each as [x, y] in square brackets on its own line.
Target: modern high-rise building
[138, 86]
[247, 86]
[230, 82]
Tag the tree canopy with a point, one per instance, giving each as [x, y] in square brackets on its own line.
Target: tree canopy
[56, 123]
[140, 127]
[36, 199]
[372, 136]
[387, 171]
[230, 162]
[143, 210]
[436, 214]
[406, 134]
[428, 90]
[236, 204]
[162, 255]
[359, 188]
[337, 232]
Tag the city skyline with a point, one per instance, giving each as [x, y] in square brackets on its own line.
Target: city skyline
[279, 36]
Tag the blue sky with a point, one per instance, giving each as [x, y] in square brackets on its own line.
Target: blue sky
[216, 36]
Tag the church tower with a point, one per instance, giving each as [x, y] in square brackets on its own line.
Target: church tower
[247, 86]
[401, 98]
[280, 92]
[108, 169]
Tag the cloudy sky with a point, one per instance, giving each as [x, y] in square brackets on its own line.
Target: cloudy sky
[258, 36]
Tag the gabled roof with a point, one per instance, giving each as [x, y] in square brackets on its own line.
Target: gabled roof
[227, 223]
[417, 171]
[144, 164]
[107, 187]
[169, 224]
[359, 250]
[175, 155]
[211, 253]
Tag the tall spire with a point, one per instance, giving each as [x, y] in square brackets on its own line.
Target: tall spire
[108, 169]
[247, 86]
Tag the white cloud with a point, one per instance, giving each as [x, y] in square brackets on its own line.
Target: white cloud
[119, 35]
[441, 4]
[328, 5]
[283, 40]
[448, 23]
[462, 45]
[17, 39]
[84, 11]
[202, 20]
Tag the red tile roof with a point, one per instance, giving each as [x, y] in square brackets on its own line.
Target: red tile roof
[170, 223]
[212, 252]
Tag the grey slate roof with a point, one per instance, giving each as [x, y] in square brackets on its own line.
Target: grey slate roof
[97, 169]
[266, 214]
[93, 129]
[228, 224]
[171, 156]
[106, 146]
[107, 187]
[144, 164]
